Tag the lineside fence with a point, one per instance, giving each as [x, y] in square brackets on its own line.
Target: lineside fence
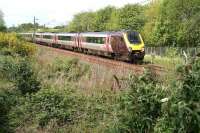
[172, 51]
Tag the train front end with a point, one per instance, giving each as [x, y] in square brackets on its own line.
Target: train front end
[135, 45]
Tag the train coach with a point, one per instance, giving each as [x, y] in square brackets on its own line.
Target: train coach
[127, 45]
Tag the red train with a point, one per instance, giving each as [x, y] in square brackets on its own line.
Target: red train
[119, 45]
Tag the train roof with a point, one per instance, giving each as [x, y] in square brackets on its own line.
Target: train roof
[100, 34]
[66, 34]
[85, 34]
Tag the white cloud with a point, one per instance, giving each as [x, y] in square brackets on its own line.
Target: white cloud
[52, 12]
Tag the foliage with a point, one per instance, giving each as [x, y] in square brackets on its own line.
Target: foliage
[82, 22]
[162, 22]
[71, 68]
[25, 27]
[17, 45]
[20, 73]
[175, 23]
[141, 106]
[103, 17]
[27, 81]
[131, 17]
[4, 110]
[52, 103]
[182, 113]
[172, 52]
[108, 19]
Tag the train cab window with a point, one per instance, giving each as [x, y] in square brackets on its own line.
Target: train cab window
[47, 37]
[98, 40]
[65, 38]
[134, 37]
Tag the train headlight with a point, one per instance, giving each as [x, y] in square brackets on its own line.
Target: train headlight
[143, 49]
[129, 49]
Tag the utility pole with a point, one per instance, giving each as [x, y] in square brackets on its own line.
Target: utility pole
[34, 30]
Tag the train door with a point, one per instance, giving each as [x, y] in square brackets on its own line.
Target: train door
[118, 45]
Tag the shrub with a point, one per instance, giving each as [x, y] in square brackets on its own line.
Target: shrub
[52, 104]
[8, 67]
[141, 106]
[9, 40]
[19, 71]
[26, 80]
[8, 98]
[4, 109]
[182, 112]
[71, 68]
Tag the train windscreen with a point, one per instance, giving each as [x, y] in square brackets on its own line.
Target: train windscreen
[134, 37]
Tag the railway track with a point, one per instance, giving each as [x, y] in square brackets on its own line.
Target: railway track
[110, 63]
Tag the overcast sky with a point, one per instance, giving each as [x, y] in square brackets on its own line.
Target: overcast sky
[52, 12]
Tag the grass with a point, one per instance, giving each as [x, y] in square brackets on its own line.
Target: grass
[167, 62]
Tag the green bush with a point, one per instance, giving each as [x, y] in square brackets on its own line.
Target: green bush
[73, 70]
[19, 71]
[52, 104]
[4, 110]
[26, 80]
[140, 107]
[182, 113]
[8, 99]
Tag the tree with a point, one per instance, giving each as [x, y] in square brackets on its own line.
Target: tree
[82, 22]
[173, 23]
[103, 18]
[151, 13]
[131, 17]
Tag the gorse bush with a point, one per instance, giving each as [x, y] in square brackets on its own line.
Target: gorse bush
[18, 46]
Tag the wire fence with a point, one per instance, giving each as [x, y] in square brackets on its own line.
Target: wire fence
[167, 51]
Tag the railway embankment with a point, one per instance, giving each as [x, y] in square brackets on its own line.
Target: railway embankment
[51, 91]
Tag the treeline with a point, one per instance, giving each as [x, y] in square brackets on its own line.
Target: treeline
[162, 22]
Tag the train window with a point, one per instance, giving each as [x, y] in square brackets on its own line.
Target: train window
[37, 36]
[98, 40]
[47, 37]
[134, 37]
[66, 38]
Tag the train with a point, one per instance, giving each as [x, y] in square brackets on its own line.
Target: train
[122, 45]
